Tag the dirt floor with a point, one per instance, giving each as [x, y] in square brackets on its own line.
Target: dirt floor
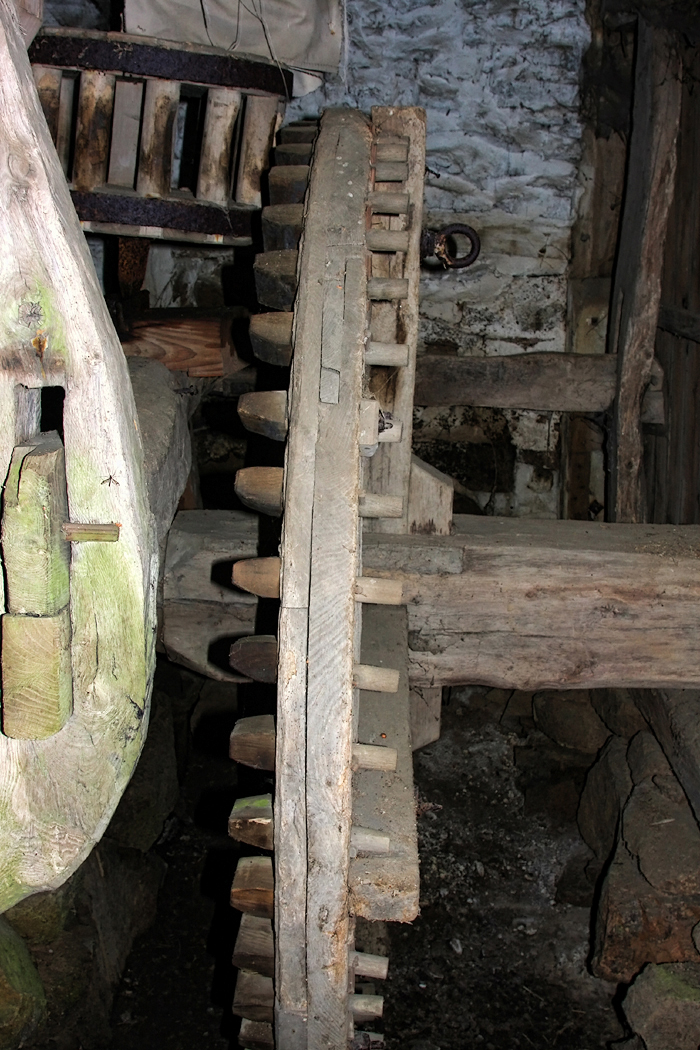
[497, 958]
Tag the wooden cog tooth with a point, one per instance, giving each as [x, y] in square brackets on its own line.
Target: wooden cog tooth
[252, 742]
[365, 1008]
[260, 489]
[258, 129]
[390, 171]
[392, 355]
[304, 133]
[369, 840]
[251, 821]
[372, 756]
[377, 590]
[255, 946]
[259, 654]
[384, 203]
[374, 505]
[293, 153]
[387, 240]
[366, 965]
[282, 226]
[265, 412]
[387, 288]
[252, 889]
[271, 337]
[288, 183]
[392, 150]
[256, 1035]
[254, 997]
[276, 278]
[376, 679]
[259, 576]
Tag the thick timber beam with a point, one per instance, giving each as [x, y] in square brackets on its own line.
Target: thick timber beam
[544, 604]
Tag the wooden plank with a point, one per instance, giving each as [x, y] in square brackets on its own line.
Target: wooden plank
[430, 496]
[258, 129]
[335, 557]
[426, 713]
[540, 381]
[252, 889]
[386, 886]
[481, 601]
[637, 283]
[161, 99]
[92, 135]
[183, 344]
[388, 471]
[213, 180]
[252, 741]
[255, 946]
[126, 126]
[55, 330]
[179, 219]
[253, 997]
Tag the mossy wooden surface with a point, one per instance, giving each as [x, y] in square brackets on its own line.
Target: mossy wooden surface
[37, 688]
[57, 795]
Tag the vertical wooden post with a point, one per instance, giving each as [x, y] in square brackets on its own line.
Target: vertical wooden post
[48, 84]
[128, 98]
[161, 100]
[213, 182]
[637, 283]
[65, 122]
[92, 135]
[258, 130]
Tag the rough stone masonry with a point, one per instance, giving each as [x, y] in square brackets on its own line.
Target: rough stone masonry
[500, 83]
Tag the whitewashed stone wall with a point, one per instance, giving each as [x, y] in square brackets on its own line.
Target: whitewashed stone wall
[499, 81]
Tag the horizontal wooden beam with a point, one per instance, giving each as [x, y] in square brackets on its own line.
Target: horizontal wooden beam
[545, 604]
[230, 225]
[539, 381]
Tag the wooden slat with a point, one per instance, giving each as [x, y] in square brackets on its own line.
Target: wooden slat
[253, 887]
[65, 122]
[92, 134]
[637, 283]
[545, 382]
[126, 126]
[161, 100]
[183, 345]
[48, 84]
[258, 129]
[213, 180]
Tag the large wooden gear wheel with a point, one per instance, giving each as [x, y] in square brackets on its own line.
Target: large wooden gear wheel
[342, 820]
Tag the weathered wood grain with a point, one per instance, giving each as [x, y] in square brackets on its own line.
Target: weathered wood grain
[534, 604]
[637, 282]
[255, 947]
[161, 99]
[258, 129]
[48, 85]
[282, 226]
[55, 331]
[126, 125]
[256, 657]
[92, 134]
[265, 412]
[253, 997]
[213, 179]
[271, 337]
[540, 381]
[259, 576]
[252, 741]
[386, 886]
[260, 488]
[430, 497]
[252, 890]
[251, 821]
[426, 713]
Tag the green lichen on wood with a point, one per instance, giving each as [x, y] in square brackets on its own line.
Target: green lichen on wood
[22, 1000]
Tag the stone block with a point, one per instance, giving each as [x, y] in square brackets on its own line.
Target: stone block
[606, 790]
[568, 718]
[645, 758]
[619, 712]
[41, 918]
[635, 924]
[663, 1006]
[660, 830]
[22, 1000]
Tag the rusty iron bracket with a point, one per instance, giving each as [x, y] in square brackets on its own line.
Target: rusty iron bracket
[436, 242]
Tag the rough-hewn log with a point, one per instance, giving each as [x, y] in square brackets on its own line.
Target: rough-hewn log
[543, 604]
[637, 283]
[540, 381]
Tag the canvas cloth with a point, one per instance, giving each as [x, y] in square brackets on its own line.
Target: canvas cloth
[303, 34]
